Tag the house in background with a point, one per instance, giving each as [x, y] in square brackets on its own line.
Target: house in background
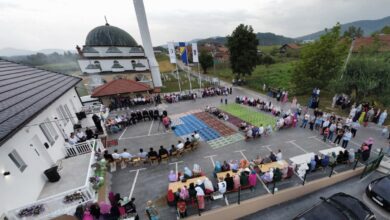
[37, 113]
[289, 49]
[381, 43]
[221, 52]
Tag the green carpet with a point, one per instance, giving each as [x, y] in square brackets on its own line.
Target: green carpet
[247, 114]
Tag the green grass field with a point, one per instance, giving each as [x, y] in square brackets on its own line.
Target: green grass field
[249, 115]
[170, 83]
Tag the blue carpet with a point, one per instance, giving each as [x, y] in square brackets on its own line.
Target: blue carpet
[191, 124]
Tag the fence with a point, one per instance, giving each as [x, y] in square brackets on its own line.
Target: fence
[84, 147]
[373, 164]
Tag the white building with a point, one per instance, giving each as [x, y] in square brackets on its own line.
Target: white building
[37, 111]
[110, 53]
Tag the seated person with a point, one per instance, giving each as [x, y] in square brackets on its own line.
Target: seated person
[272, 157]
[234, 165]
[115, 155]
[277, 175]
[346, 156]
[312, 165]
[196, 135]
[187, 144]
[287, 172]
[89, 133]
[172, 150]
[225, 166]
[162, 151]
[172, 176]
[187, 173]
[243, 125]
[217, 168]
[180, 145]
[266, 160]
[221, 185]
[318, 161]
[192, 191]
[208, 185]
[142, 154]
[267, 177]
[244, 164]
[340, 157]
[229, 182]
[182, 208]
[108, 157]
[258, 160]
[73, 139]
[125, 154]
[196, 171]
[152, 153]
[244, 177]
[325, 161]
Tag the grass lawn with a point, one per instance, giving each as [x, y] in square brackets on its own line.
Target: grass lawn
[249, 115]
[163, 62]
[170, 82]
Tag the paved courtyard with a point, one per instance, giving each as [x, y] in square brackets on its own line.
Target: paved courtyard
[151, 182]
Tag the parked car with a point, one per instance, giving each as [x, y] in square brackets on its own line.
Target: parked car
[379, 191]
[339, 206]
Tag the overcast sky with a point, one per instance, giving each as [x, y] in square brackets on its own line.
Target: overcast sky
[42, 24]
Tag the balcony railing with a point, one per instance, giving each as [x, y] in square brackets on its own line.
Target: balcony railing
[84, 147]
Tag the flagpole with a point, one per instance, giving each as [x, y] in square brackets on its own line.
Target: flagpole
[178, 76]
[189, 69]
[200, 79]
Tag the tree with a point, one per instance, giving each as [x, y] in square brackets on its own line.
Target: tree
[366, 77]
[320, 61]
[205, 60]
[353, 32]
[242, 46]
[385, 30]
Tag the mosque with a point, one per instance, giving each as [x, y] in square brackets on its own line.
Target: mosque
[111, 53]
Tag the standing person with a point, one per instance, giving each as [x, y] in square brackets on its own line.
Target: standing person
[325, 133]
[346, 138]
[306, 118]
[225, 101]
[354, 127]
[151, 211]
[200, 197]
[279, 155]
[339, 135]
[221, 100]
[182, 208]
[332, 129]
[382, 118]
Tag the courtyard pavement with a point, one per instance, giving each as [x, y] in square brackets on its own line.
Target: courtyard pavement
[151, 182]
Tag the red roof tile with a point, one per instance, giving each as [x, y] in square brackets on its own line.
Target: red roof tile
[363, 42]
[119, 86]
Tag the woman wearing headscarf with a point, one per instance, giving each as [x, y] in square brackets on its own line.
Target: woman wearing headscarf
[229, 182]
[325, 161]
[252, 180]
[184, 193]
[236, 180]
[208, 185]
[87, 215]
[225, 166]
[197, 171]
[369, 142]
[365, 152]
[351, 155]
[268, 176]
[244, 164]
[187, 173]
[234, 165]
[361, 117]
[172, 176]
[200, 197]
[171, 198]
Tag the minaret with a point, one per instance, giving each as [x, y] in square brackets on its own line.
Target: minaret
[147, 42]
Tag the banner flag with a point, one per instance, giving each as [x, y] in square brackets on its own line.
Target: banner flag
[183, 52]
[172, 52]
[195, 58]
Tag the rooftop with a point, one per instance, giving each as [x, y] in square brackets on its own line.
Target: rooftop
[25, 92]
[120, 86]
[364, 42]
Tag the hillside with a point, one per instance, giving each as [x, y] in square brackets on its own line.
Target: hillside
[265, 39]
[368, 26]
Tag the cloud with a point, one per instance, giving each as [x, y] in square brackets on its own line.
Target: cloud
[63, 24]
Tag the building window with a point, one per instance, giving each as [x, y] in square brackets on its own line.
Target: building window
[69, 114]
[62, 114]
[18, 161]
[49, 131]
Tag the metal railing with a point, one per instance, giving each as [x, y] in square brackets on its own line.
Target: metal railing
[84, 147]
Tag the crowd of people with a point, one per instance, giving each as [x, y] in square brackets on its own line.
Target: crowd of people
[123, 102]
[153, 154]
[193, 95]
[116, 123]
[116, 208]
[79, 136]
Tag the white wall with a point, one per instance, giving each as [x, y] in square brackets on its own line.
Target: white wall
[21, 188]
[106, 64]
[102, 52]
